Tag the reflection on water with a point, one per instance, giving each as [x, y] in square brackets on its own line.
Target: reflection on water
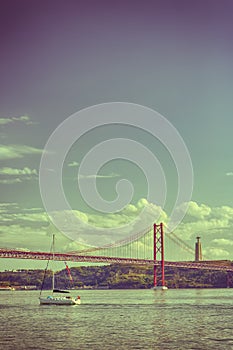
[120, 319]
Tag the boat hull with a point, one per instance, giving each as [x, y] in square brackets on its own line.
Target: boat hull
[160, 288]
[59, 301]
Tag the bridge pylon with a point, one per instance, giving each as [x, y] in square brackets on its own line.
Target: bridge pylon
[159, 249]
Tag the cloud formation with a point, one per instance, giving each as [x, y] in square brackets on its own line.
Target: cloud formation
[222, 242]
[10, 181]
[25, 119]
[14, 171]
[27, 228]
[17, 151]
[13, 175]
[110, 176]
[73, 164]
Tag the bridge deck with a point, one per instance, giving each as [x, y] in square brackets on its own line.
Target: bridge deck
[21, 254]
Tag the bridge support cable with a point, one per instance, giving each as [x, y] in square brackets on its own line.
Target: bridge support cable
[129, 242]
[177, 240]
[159, 249]
[182, 244]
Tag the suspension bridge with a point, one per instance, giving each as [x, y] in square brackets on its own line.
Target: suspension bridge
[144, 248]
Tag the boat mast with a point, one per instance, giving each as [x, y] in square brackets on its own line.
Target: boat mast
[53, 242]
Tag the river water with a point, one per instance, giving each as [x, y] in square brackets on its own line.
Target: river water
[119, 319]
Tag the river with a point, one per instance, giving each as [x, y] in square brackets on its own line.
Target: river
[119, 319]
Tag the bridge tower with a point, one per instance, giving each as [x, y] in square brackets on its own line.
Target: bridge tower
[159, 248]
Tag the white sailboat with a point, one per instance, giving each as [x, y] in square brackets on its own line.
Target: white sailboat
[55, 298]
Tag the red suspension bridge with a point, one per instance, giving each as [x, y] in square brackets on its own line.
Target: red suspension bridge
[129, 251]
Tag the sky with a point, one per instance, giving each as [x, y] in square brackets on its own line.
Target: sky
[60, 57]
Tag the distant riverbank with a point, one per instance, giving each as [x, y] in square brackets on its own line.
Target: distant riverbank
[115, 276]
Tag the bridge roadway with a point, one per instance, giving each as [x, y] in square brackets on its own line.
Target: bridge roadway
[77, 257]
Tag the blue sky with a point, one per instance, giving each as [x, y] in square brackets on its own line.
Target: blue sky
[58, 57]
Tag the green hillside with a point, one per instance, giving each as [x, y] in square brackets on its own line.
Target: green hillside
[116, 276]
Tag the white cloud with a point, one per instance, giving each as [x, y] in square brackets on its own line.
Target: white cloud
[17, 172]
[229, 173]
[22, 119]
[16, 216]
[130, 209]
[100, 230]
[5, 121]
[214, 225]
[13, 175]
[8, 204]
[73, 164]
[95, 229]
[17, 151]
[222, 213]
[222, 242]
[216, 253]
[195, 211]
[10, 181]
[188, 230]
[110, 176]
